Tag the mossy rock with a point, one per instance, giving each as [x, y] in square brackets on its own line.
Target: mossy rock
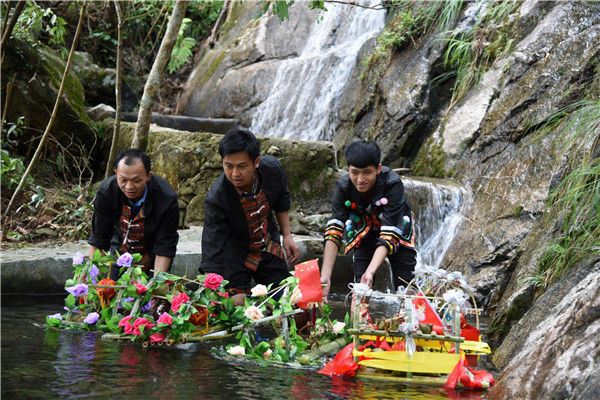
[36, 74]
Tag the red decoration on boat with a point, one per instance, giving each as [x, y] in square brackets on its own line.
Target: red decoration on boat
[309, 283]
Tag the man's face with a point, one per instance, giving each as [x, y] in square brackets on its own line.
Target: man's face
[132, 179]
[239, 169]
[364, 179]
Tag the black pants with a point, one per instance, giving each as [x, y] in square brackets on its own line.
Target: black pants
[403, 261]
[271, 269]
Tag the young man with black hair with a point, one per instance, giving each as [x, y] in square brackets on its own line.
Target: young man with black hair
[136, 211]
[240, 239]
[370, 210]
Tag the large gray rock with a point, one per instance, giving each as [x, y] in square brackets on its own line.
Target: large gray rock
[99, 83]
[234, 77]
[509, 171]
[560, 356]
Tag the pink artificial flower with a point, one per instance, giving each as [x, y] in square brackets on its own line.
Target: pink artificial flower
[224, 294]
[165, 318]
[126, 324]
[143, 321]
[178, 300]
[213, 281]
[157, 337]
[140, 288]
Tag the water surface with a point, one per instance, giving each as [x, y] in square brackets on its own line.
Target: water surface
[41, 363]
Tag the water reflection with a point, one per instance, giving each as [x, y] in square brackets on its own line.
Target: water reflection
[40, 363]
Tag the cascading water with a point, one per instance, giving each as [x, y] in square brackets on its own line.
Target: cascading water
[302, 102]
[437, 215]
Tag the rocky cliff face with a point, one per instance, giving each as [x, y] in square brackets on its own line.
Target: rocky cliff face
[506, 141]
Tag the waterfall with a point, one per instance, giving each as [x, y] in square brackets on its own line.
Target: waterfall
[436, 206]
[302, 102]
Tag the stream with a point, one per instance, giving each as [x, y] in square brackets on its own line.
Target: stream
[41, 363]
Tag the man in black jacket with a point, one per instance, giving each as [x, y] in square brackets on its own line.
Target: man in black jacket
[369, 211]
[240, 239]
[136, 212]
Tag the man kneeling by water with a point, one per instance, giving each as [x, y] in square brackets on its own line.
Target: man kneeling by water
[136, 212]
[240, 239]
[378, 221]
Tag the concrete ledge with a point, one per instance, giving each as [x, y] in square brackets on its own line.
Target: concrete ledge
[45, 268]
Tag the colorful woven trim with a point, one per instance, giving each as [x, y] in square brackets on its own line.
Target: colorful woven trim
[133, 235]
[369, 222]
[335, 232]
[257, 209]
[393, 237]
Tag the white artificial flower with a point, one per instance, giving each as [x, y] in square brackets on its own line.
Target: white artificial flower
[338, 327]
[418, 314]
[296, 296]
[455, 296]
[254, 313]
[267, 353]
[237, 350]
[258, 291]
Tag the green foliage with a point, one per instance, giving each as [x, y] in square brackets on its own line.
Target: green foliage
[574, 205]
[431, 161]
[280, 8]
[11, 171]
[469, 54]
[36, 24]
[182, 51]
[406, 26]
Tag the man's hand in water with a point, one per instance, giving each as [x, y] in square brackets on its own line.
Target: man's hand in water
[367, 278]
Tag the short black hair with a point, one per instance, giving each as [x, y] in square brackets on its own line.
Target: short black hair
[130, 156]
[361, 154]
[238, 140]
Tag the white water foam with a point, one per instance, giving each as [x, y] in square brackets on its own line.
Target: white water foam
[302, 103]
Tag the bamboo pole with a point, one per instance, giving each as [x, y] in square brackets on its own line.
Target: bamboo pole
[327, 348]
[9, 87]
[446, 338]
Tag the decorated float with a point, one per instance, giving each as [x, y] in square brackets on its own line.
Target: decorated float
[427, 339]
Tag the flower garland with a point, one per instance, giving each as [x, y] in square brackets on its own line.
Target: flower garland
[158, 310]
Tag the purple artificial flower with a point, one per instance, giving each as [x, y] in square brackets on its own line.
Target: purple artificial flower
[91, 318]
[94, 271]
[57, 316]
[128, 299]
[147, 307]
[77, 258]
[78, 290]
[125, 260]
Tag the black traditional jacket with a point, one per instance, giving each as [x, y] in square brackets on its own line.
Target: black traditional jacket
[387, 213]
[225, 236]
[161, 210]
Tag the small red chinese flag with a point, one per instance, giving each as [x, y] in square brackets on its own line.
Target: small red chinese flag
[309, 282]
